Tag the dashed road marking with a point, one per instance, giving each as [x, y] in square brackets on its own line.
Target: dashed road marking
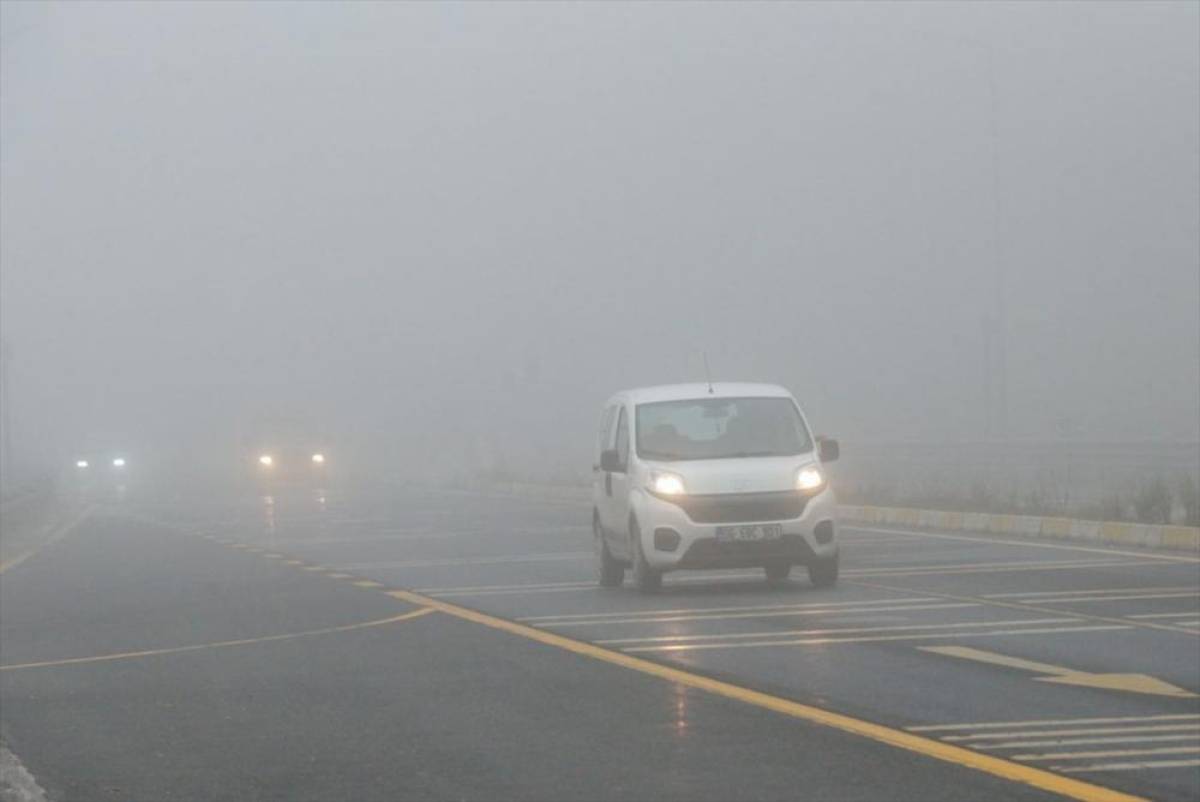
[220, 644]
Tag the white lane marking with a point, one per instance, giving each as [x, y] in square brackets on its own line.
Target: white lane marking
[1141, 766]
[1083, 599]
[404, 536]
[996, 568]
[1092, 592]
[1056, 742]
[841, 631]
[541, 619]
[988, 725]
[713, 578]
[1138, 728]
[990, 564]
[553, 556]
[1162, 750]
[794, 611]
[1029, 544]
[870, 639]
[1188, 614]
[487, 588]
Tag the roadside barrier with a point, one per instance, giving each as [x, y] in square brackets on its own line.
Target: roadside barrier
[1113, 533]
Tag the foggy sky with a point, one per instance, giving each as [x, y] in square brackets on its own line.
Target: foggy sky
[462, 223]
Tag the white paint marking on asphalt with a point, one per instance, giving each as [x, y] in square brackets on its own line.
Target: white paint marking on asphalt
[793, 611]
[1188, 614]
[554, 556]
[871, 639]
[1162, 750]
[541, 619]
[1083, 599]
[1029, 544]
[987, 725]
[1137, 728]
[1152, 764]
[1091, 592]
[841, 631]
[1056, 742]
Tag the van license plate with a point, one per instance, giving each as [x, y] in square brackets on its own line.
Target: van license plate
[749, 532]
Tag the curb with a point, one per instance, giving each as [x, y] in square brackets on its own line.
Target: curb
[1115, 533]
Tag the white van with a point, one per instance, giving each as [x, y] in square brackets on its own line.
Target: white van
[711, 476]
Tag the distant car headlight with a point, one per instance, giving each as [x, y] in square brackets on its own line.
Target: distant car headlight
[266, 461]
[319, 459]
[119, 462]
[809, 478]
[665, 483]
[81, 463]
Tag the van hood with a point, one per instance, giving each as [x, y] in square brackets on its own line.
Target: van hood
[738, 475]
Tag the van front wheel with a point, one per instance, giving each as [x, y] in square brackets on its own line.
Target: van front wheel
[609, 572]
[645, 578]
[823, 573]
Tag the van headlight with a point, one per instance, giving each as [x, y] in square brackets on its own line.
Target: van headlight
[665, 483]
[809, 478]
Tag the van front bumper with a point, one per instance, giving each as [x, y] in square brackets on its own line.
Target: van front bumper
[810, 533]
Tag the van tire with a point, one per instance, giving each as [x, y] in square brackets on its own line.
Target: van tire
[645, 578]
[823, 573]
[777, 572]
[609, 572]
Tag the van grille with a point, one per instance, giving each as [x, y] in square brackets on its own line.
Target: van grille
[733, 508]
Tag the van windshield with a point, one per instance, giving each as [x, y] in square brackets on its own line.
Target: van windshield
[720, 428]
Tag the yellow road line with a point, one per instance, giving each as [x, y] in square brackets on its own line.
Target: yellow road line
[929, 747]
[1014, 605]
[1145, 555]
[991, 725]
[368, 583]
[57, 535]
[220, 644]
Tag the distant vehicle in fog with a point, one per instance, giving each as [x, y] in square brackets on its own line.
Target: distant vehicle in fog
[711, 476]
[288, 462]
[279, 450]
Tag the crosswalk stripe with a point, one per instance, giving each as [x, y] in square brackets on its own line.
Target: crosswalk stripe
[1091, 731]
[1053, 722]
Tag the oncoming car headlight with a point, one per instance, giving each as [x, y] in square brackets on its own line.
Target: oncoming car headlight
[266, 461]
[809, 478]
[665, 483]
[318, 459]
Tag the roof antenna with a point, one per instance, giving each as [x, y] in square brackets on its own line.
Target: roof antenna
[707, 372]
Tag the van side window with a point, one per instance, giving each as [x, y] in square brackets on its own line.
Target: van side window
[605, 435]
[622, 445]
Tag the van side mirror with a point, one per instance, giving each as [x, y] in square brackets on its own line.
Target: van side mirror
[828, 449]
[610, 462]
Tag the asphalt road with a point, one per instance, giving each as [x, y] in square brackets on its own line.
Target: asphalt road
[407, 644]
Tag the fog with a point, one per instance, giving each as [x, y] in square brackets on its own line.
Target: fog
[448, 232]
